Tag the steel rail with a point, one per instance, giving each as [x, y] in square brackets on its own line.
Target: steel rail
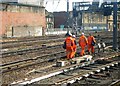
[28, 43]
[29, 50]
[23, 39]
[11, 53]
[73, 78]
[18, 64]
[116, 83]
[21, 62]
[61, 70]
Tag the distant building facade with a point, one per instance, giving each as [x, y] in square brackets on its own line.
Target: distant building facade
[33, 2]
[93, 21]
[62, 19]
[49, 20]
[110, 22]
[88, 16]
[88, 20]
[21, 19]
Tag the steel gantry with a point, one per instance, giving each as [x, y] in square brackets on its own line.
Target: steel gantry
[106, 9]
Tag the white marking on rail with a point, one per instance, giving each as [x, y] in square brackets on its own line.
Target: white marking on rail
[64, 84]
[79, 78]
[116, 63]
[65, 70]
[108, 66]
[98, 70]
[103, 68]
[91, 73]
[112, 65]
[72, 81]
[72, 68]
[40, 78]
[86, 75]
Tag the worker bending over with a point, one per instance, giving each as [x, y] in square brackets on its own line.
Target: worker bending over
[82, 43]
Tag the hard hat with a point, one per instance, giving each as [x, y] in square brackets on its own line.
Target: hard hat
[73, 36]
[68, 34]
[82, 33]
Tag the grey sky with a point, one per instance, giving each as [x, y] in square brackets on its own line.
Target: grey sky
[60, 5]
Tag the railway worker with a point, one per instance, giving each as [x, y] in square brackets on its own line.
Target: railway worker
[69, 42]
[91, 43]
[82, 43]
[74, 46]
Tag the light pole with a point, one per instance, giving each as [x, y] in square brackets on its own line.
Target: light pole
[68, 13]
[115, 25]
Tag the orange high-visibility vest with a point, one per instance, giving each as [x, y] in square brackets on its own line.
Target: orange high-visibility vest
[90, 39]
[69, 43]
[74, 44]
[83, 41]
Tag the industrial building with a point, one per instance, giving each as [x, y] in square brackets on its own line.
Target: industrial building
[22, 19]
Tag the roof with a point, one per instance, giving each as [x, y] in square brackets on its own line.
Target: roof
[21, 4]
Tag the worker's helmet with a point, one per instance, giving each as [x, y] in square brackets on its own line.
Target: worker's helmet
[82, 33]
[68, 33]
[73, 36]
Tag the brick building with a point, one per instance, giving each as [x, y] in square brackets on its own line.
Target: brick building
[49, 20]
[33, 2]
[60, 18]
[21, 19]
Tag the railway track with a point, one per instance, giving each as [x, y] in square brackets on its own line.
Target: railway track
[28, 54]
[32, 61]
[42, 40]
[15, 69]
[43, 57]
[30, 50]
[30, 43]
[77, 73]
[24, 39]
[54, 77]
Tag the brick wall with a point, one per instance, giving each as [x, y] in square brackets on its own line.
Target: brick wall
[10, 19]
[35, 2]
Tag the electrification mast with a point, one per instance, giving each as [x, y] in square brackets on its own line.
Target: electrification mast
[115, 25]
[67, 6]
[68, 13]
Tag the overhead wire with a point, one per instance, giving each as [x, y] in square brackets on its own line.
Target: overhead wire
[57, 5]
[53, 3]
[47, 1]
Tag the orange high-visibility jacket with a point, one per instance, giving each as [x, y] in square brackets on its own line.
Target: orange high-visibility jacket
[83, 41]
[69, 43]
[75, 44]
[90, 39]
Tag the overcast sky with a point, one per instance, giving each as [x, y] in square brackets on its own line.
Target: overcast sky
[60, 5]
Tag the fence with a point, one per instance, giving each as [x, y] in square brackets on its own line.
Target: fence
[57, 31]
